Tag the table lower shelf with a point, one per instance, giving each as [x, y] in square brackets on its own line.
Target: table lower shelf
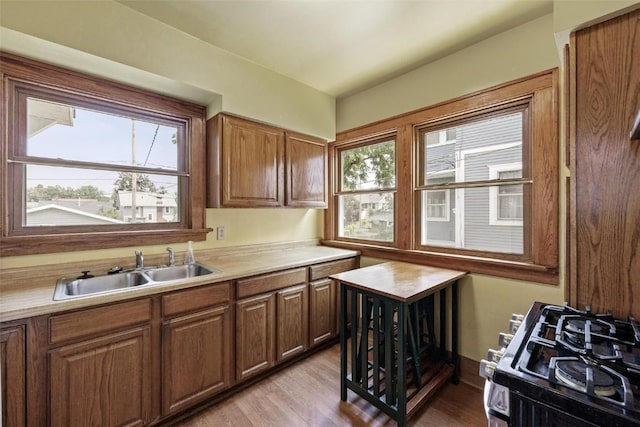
[434, 377]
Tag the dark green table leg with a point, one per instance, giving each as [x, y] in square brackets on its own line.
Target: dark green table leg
[454, 332]
[343, 342]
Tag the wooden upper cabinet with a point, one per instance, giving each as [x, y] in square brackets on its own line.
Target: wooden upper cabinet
[252, 159]
[605, 205]
[306, 171]
[248, 163]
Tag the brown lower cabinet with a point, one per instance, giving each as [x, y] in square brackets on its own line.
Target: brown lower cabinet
[322, 311]
[197, 346]
[292, 322]
[104, 381]
[12, 377]
[255, 331]
[102, 373]
[271, 326]
[139, 361]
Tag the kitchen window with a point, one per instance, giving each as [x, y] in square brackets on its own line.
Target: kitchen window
[92, 164]
[488, 193]
[366, 193]
[476, 185]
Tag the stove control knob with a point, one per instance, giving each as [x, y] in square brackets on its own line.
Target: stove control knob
[518, 317]
[504, 339]
[487, 368]
[495, 355]
[514, 325]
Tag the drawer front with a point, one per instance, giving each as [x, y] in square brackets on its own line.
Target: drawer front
[196, 298]
[96, 321]
[320, 271]
[271, 282]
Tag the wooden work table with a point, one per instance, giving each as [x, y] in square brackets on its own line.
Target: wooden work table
[398, 362]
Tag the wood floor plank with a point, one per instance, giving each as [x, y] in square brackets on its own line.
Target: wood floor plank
[307, 394]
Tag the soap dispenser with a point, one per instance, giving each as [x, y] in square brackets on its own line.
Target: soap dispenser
[189, 258]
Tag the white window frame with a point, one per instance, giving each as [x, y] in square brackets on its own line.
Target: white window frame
[447, 206]
[442, 139]
[494, 172]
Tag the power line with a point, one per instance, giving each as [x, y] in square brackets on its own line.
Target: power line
[151, 147]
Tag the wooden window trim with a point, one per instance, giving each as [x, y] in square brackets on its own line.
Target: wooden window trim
[541, 265]
[17, 72]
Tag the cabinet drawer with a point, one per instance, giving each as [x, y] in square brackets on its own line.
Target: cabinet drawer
[320, 271]
[196, 298]
[271, 282]
[96, 321]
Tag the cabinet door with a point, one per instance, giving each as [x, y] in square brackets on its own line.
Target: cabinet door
[306, 171]
[104, 381]
[292, 314]
[252, 164]
[255, 331]
[12, 378]
[322, 310]
[196, 357]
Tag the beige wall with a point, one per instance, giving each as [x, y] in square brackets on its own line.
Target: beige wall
[73, 33]
[519, 52]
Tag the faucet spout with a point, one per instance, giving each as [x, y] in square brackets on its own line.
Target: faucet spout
[172, 258]
[139, 260]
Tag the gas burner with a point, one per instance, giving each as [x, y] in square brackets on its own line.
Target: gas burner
[578, 325]
[573, 373]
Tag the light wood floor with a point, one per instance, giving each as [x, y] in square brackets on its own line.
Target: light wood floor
[308, 394]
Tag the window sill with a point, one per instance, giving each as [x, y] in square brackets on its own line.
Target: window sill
[488, 266]
[43, 244]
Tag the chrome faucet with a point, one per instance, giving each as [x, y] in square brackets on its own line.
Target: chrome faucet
[172, 259]
[139, 260]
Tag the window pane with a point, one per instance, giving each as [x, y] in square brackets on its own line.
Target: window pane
[57, 196]
[509, 201]
[60, 131]
[366, 216]
[474, 224]
[478, 145]
[369, 167]
[437, 205]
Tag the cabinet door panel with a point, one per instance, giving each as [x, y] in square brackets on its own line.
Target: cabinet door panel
[12, 378]
[253, 173]
[255, 330]
[197, 357]
[292, 321]
[306, 160]
[322, 310]
[105, 381]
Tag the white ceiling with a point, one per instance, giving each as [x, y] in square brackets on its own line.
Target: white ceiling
[342, 46]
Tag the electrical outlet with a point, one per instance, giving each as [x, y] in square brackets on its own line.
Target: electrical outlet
[220, 231]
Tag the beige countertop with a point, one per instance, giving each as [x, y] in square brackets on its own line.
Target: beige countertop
[400, 280]
[25, 295]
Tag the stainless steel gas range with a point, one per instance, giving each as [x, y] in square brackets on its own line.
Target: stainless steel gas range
[565, 367]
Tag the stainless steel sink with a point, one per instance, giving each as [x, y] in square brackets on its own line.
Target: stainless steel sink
[165, 274]
[73, 288]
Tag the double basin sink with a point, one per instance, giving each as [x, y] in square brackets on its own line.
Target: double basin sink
[129, 279]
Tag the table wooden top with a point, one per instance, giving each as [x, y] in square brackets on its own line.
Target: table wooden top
[400, 280]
